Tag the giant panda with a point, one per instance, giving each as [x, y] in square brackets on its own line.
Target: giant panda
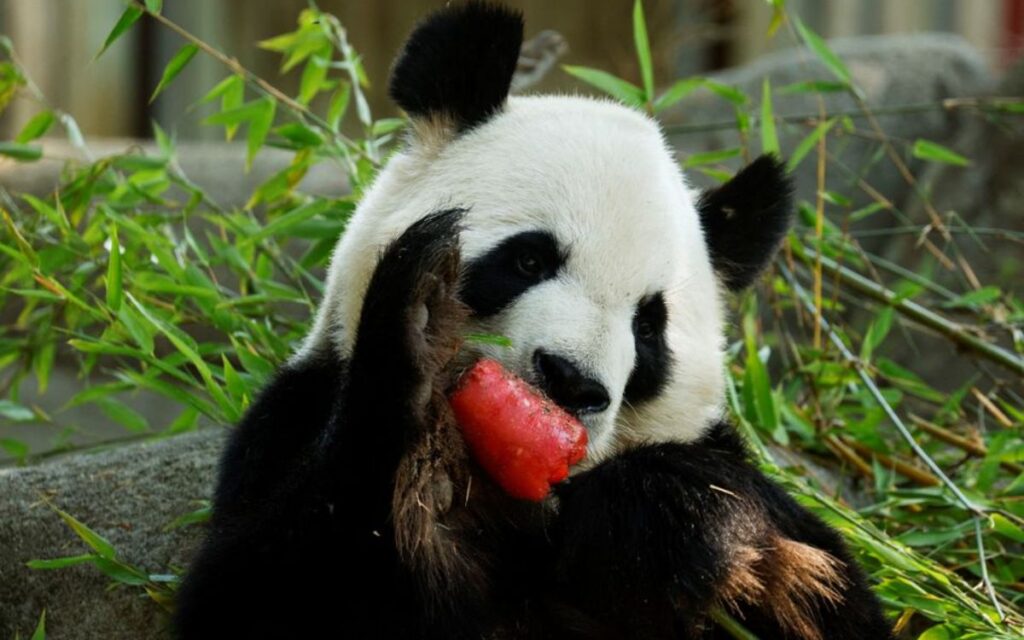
[347, 505]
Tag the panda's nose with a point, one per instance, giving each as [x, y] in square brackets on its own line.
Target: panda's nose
[565, 384]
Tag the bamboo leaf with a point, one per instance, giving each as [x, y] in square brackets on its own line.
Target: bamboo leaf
[16, 412]
[123, 415]
[643, 50]
[300, 135]
[778, 16]
[42, 364]
[96, 542]
[138, 329]
[623, 91]
[339, 103]
[36, 127]
[16, 448]
[130, 16]
[258, 129]
[155, 6]
[813, 86]
[54, 215]
[23, 152]
[940, 632]
[202, 514]
[808, 143]
[927, 150]
[221, 88]
[237, 115]
[120, 572]
[385, 126]
[876, 333]
[313, 76]
[287, 221]
[187, 347]
[710, 157]
[186, 421]
[757, 384]
[824, 53]
[679, 90]
[1006, 527]
[59, 563]
[488, 338]
[40, 632]
[769, 139]
[985, 295]
[114, 284]
[234, 383]
[174, 67]
[732, 94]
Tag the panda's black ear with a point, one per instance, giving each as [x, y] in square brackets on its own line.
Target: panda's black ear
[746, 219]
[458, 63]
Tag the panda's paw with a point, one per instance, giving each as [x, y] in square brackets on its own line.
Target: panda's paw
[682, 528]
[409, 328]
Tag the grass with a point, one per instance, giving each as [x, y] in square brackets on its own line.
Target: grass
[151, 286]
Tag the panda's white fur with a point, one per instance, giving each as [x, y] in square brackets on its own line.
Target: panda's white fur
[600, 178]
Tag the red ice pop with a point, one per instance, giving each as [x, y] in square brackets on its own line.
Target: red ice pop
[522, 439]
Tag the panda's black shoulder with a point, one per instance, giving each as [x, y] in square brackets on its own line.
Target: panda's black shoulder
[305, 392]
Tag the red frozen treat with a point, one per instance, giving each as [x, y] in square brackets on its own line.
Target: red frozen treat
[522, 439]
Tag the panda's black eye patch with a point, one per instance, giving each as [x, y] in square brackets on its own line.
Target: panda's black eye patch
[650, 317]
[653, 358]
[492, 281]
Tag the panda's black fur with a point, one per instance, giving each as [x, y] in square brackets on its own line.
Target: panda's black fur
[348, 507]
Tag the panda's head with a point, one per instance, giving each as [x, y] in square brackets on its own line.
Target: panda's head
[581, 242]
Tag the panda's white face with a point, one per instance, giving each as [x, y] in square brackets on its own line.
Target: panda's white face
[581, 244]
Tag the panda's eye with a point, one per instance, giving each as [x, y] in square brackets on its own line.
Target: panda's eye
[529, 264]
[649, 319]
[653, 356]
[521, 261]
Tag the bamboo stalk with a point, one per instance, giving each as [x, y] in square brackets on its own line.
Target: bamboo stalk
[960, 442]
[991, 407]
[906, 470]
[819, 231]
[922, 315]
[848, 455]
[813, 119]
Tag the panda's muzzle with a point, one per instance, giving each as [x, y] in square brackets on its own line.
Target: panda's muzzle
[564, 383]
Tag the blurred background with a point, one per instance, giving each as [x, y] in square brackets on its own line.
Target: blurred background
[58, 40]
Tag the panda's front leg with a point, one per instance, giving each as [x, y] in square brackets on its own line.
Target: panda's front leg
[639, 545]
[650, 542]
[408, 335]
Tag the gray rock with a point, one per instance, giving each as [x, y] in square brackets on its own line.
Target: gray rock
[128, 495]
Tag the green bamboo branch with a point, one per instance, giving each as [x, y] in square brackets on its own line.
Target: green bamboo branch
[730, 625]
[954, 331]
[301, 111]
[977, 512]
